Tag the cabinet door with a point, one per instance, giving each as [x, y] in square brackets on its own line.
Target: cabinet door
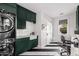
[77, 18]
[8, 7]
[19, 12]
[18, 18]
[77, 21]
[28, 15]
[31, 16]
[21, 23]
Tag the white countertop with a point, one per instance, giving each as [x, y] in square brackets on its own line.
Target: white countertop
[31, 37]
[21, 37]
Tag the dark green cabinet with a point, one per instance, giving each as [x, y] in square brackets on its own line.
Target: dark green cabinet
[21, 23]
[77, 20]
[25, 44]
[21, 45]
[8, 7]
[31, 16]
[77, 17]
[24, 15]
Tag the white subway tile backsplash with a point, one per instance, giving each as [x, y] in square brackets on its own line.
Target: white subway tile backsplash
[25, 32]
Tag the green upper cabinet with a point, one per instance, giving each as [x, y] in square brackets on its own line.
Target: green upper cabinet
[31, 16]
[24, 15]
[77, 18]
[77, 21]
[9, 7]
[21, 22]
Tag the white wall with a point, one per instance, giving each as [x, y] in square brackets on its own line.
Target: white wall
[46, 39]
[49, 31]
[71, 25]
[43, 31]
[30, 26]
[38, 27]
[41, 19]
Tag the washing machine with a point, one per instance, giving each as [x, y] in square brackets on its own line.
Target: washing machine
[7, 33]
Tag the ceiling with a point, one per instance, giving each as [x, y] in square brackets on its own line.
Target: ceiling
[52, 9]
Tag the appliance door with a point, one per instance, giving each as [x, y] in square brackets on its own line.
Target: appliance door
[7, 37]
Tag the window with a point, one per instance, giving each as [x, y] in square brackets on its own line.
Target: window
[63, 26]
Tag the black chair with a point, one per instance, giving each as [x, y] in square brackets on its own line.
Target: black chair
[66, 47]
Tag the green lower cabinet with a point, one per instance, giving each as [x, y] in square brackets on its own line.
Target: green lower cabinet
[21, 45]
[24, 44]
[33, 43]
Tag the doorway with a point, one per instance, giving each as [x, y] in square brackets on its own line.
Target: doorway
[46, 33]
